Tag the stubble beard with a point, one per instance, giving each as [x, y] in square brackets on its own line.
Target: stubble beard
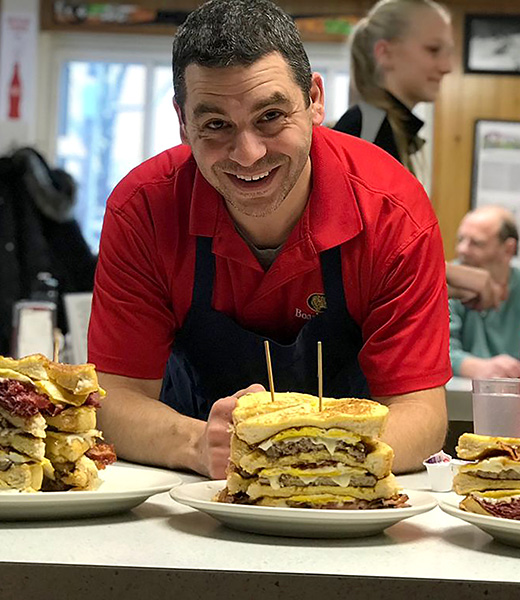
[260, 206]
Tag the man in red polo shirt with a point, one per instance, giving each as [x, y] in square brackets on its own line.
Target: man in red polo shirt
[264, 225]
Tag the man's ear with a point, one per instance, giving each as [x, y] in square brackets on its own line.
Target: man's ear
[511, 246]
[178, 110]
[317, 97]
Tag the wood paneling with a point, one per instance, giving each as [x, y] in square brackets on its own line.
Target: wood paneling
[465, 98]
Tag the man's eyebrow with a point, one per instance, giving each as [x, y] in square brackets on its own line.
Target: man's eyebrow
[275, 98]
[204, 108]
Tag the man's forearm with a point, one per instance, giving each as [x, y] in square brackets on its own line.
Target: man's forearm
[416, 427]
[147, 431]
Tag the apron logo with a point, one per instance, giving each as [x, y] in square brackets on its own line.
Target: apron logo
[317, 302]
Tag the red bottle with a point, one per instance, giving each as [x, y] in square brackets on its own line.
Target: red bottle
[15, 93]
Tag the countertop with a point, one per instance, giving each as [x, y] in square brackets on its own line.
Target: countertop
[162, 549]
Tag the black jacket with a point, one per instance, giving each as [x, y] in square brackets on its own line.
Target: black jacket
[37, 235]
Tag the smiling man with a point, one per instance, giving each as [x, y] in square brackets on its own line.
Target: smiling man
[263, 225]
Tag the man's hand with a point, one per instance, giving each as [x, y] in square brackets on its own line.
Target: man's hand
[502, 365]
[474, 287]
[217, 434]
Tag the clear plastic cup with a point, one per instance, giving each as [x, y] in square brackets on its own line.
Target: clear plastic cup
[496, 407]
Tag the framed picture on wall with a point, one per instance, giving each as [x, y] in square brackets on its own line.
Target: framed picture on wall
[496, 165]
[492, 44]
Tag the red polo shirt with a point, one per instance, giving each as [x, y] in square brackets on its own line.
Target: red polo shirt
[393, 265]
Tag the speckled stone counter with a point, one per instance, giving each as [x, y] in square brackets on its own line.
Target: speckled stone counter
[164, 550]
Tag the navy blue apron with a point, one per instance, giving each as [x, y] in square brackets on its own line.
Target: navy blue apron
[213, 357]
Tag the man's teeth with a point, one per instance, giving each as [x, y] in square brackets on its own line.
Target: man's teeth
[252, 177]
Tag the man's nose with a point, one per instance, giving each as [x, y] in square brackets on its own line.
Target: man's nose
[247, 148]
[462, 247]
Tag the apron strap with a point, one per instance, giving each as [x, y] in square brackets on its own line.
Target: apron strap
[204, 273]
[333, 278]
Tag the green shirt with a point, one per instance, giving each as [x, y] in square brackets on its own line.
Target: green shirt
[486, 333]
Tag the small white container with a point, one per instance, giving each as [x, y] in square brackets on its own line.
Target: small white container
[440, 474]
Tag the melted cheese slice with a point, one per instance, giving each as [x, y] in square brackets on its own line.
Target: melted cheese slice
[10, 374]
[318, 436]
[59, 395]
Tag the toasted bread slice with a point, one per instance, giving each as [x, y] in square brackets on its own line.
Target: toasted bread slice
[74, 419]
[33, 366]
[330, 501]
[17, 440]
[258, 403]
[68, 447]
[77, 379]
[24, 477]
[355, 415]
[472, 446]
[464, 483]
[34, 425]
[81, 475]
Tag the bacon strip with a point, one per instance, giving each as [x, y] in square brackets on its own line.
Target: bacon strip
[102, 454]
[513, 451]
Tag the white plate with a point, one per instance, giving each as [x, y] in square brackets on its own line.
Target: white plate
[123, 487]
[298, 522]
[503, 530]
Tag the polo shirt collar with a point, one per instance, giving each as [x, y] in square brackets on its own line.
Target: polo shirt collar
[331, 216]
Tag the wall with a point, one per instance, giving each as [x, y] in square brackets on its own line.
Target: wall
[464, 99]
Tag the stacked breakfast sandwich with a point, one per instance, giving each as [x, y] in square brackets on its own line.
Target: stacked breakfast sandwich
[48, 435]
[289, 453]
[491, 483]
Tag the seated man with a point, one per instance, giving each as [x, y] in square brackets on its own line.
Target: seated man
[263, 224]
[487, 343]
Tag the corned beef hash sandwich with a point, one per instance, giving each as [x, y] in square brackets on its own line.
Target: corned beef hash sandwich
[48, 435]
[491, 484]
[289, 453]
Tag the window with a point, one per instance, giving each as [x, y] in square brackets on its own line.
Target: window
[114, 109]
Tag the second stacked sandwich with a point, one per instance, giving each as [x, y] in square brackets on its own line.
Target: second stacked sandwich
[48, 435]
[491, 484]
[289, 453]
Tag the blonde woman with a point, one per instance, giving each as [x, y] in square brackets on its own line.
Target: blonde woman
[401, 51]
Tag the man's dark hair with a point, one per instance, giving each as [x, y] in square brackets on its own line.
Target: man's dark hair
[508, 229]
[225, 33]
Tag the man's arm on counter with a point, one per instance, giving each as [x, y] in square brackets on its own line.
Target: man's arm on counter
[145, 430]
[416, 426]
[465, 364]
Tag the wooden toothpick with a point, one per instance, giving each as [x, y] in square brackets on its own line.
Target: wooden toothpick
[320, 377]
[269, 369]
[56, 345]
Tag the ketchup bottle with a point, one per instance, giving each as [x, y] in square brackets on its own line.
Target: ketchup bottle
[15, 93]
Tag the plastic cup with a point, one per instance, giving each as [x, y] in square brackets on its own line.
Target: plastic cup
[440, 475]
[496, 407]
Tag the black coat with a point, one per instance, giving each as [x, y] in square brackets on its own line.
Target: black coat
[32, 242]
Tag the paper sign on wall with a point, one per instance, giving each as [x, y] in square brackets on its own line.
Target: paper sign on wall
[18, 41]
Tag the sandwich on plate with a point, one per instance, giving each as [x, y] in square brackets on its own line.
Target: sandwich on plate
[288, 453]
[48, 435]
[491, 483]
